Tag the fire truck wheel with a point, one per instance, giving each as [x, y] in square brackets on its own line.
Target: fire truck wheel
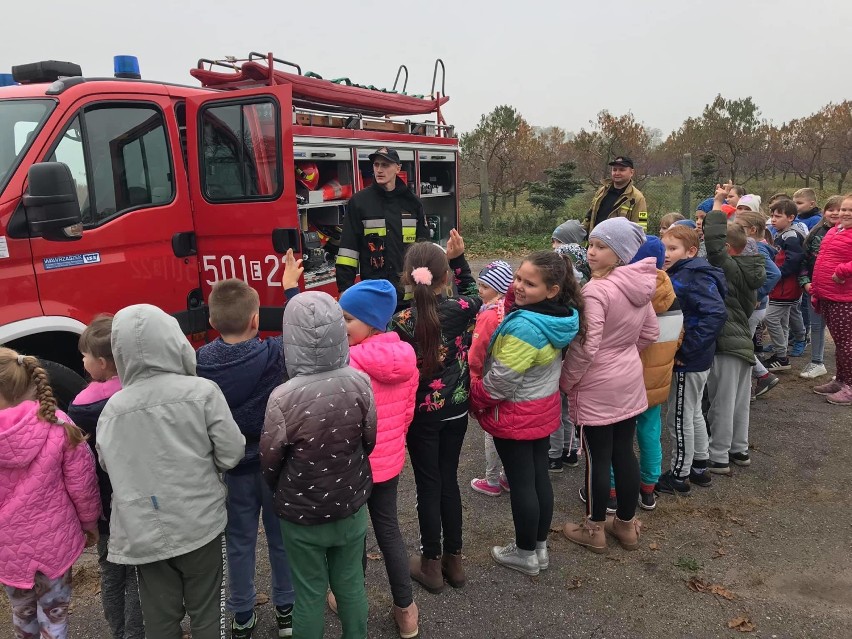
[66, 383]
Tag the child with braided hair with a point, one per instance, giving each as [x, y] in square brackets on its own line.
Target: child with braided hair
[51, 503]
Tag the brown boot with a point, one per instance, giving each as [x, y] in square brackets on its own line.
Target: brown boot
[427, 572]
[451, 566]
[406, 621]
[626, 532]
[588, 534]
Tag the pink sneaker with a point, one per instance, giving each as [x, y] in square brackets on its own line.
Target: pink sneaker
[504, 483]
[827, 389]
[843, 397]
[482, 486]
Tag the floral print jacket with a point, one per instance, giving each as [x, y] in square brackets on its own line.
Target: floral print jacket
[445, 394]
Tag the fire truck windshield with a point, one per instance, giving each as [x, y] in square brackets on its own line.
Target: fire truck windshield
[20, 122]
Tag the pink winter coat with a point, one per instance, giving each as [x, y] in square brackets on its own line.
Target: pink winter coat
[834, 258]
[391, 366]
[602, 374]
[48, 496]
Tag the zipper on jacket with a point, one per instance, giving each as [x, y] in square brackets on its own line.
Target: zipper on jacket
[496, 414]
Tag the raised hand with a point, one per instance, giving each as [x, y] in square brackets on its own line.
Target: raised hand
[455, 245]
[293, 270]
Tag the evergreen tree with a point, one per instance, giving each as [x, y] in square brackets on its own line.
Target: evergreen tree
[705, 176]
[555, 191]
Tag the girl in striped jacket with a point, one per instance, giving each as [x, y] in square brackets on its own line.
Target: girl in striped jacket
[517, 400]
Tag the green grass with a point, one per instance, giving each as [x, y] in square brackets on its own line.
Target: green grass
[523, 228]
[690, 564]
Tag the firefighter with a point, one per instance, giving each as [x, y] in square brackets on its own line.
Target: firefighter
[618, 197]
[381, 222]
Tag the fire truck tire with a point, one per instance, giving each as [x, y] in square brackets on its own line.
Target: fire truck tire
[66, 383]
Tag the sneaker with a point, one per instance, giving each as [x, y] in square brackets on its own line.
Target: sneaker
[611, 503]
[776, 363]
[765, 384]
[483, 487]
[740, 459]
[700, 479]
[843, 397]
[719, 468]
[570, 459]
[798, 348]
[827, 389]
[284, 618]
[504, 483]
[510, 557]
[814, 370]
[668, 484]
[554, 465]
[543, 558]
[245, 631]
[647, 501]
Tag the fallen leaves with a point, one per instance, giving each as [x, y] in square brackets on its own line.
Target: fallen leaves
[374, 556]
[575, 583]
[262, 599]
[653, 546]
[696, 584]
[742, 624]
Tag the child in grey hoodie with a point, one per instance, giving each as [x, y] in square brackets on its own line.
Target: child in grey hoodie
[164, 439]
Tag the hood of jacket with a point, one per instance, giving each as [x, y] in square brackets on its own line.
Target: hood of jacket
[314, 335]
[147, 341]
[237, 369]
[633, 281]
[385, 358]
[700, 266]
[559, 330]
[22, 435]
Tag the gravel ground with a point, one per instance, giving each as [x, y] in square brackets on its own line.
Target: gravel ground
[771, 546]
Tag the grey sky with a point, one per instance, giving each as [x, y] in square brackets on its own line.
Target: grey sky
[559, 63]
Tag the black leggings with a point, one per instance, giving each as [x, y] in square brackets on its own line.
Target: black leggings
[525, 464]
[605, 446]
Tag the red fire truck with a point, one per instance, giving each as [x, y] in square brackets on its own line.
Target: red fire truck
[117, 191]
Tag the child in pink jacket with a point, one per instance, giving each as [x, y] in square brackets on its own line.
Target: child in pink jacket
[603, 378]
[391, 365]
[49, 499]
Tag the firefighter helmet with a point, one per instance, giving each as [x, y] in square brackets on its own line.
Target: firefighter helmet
[308, 174]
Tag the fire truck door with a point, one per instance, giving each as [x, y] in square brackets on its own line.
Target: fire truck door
[124, 155]
[241, 175]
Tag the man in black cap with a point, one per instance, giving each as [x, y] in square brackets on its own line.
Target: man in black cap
[381, 222]
[618, 197]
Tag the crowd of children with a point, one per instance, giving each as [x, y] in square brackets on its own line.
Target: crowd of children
[307, 431]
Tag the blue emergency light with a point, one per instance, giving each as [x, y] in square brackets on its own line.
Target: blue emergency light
[6, 80]
[126, 66]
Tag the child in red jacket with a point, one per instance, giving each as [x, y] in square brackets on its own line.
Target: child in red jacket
[831, 291]
[493, 283]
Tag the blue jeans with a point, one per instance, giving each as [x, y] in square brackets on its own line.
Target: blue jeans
[817, 336]
[248, 498]
[807, 309]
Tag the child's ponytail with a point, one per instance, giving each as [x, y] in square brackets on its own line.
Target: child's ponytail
[426, 267]
[22, 378]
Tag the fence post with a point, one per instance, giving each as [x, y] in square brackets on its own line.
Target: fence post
[484, 202]
[686, 192]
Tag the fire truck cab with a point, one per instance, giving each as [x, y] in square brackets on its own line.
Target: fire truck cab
[118, 191]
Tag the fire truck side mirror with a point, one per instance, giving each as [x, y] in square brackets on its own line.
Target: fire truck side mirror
[53, 211]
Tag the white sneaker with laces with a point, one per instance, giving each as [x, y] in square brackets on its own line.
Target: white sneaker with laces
[813, 370]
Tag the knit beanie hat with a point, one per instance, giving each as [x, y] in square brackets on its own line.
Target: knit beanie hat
[498, 275]
[751, 201]
[371, 301]
[621, 235]
[690, 223]
[569, 232]
[653, 247]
